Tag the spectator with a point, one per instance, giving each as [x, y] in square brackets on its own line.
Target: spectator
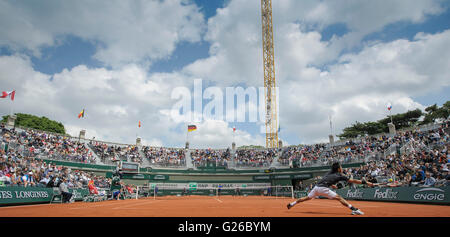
[429, 180]
[66, 195]
[44, 181]
[407, 180]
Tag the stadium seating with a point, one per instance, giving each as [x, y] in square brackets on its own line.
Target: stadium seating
[405, 158]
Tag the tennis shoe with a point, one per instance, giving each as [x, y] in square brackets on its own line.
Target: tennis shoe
[357, 212]
[289, 206]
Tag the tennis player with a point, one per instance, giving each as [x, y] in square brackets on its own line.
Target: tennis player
[329, 181]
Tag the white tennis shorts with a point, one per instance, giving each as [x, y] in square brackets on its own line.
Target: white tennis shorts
[322, 191]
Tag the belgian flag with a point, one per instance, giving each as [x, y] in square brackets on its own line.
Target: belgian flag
[192, 128]
[81, 114]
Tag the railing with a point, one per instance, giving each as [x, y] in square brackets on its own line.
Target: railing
[252, 165]
[168, 164]
[407, 148]
[296, 162]
[392, 149]
[63, 157]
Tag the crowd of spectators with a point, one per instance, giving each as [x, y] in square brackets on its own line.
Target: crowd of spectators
[165, 157]
[106, 153]
[20, 163]
[34, 143]
[110, 153]
[365, 147]
[350, 151]
[28, 171]
[205, 157]
[408, 143]
[131, 153]
[424, 161]
[255, 158]
[419, 158]
[296, 156]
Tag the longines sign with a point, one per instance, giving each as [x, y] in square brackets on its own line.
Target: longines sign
[10, 195]
[21, 195]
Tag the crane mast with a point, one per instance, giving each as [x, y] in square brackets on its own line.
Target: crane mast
[269, 75]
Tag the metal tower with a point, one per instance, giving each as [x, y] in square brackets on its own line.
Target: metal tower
[269, 75]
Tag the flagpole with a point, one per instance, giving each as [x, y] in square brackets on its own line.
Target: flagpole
[12, 101]
[331, 126]
[390, 113]
[234, 130]
[187, 133]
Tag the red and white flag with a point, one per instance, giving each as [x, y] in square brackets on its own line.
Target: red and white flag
[8, 93]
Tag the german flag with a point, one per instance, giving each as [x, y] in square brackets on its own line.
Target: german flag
[192, 128]
[81, 114]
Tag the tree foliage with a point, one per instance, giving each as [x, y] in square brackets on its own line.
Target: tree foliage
[40, 123]
[405, 120]
[434, 113]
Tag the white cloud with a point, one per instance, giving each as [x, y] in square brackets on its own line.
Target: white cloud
[364, 80]
[356, 87]
[123, 31]
[115, 100]
[218, 134]
[113, 106]
[362, 84]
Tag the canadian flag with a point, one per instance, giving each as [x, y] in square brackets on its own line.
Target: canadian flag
[9, 93]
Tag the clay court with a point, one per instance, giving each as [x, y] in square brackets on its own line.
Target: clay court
[225, 206]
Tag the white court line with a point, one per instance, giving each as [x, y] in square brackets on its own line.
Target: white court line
[322, 204]
[338, 205]
[218, 207]
[362, 205]
[145, 203]
[105, 205]
[218, 200]
[30, 205]
[94, 206]
[54, 204]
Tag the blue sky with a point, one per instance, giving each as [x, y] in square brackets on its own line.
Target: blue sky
[190, 57]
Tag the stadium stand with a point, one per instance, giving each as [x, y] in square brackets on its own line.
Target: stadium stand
[410, 158]
[203, 157]
[164, 157]
[254, 158]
